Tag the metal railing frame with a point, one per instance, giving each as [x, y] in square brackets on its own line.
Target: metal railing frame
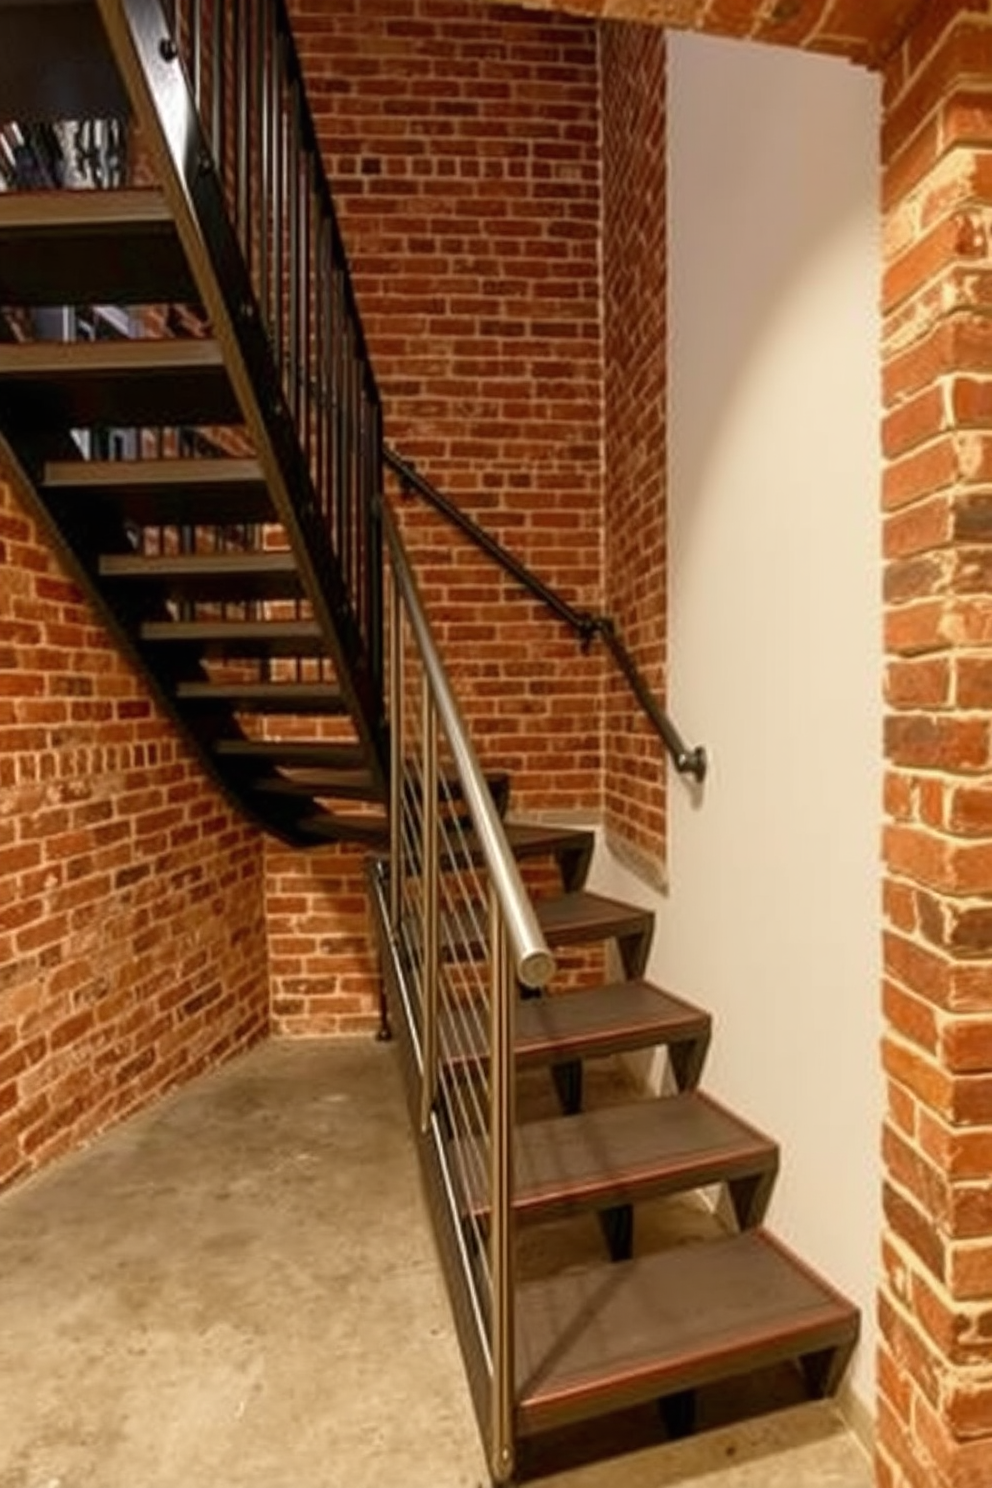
[516, 952]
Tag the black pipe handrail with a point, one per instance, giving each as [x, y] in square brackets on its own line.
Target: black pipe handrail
[586, 625]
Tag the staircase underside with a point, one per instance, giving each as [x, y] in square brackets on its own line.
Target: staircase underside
[178, 540]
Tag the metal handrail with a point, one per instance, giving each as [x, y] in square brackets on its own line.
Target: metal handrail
[587, 626]
[532, 961]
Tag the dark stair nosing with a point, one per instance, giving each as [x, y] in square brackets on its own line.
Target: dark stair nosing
[146, 383]
[238, 638]
[208, 576]
[90, 248]
[625, 1154]
[331, 827]
[595, 1021]
[356, 785]
[596, 1341]
[292, 752]
[168, 492]
[265, 697]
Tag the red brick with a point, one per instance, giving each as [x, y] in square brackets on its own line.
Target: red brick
[64, 864]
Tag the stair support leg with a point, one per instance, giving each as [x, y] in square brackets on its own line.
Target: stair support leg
[567, 1079]
[750, 1197]
[634, 953]
[687, 1060]
[617, 1225]
[823, 1370]
[573, 866]
[678, 1412]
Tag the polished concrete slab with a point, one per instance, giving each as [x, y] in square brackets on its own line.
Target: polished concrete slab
[239, 1289]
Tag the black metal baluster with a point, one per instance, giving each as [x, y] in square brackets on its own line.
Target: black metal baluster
[349, 421]
[218, 101]
[336, 410]
[259, 146]
[268, 128]
[321, 354]
[306, 309]
[241, 122]
[293, 310]
[195, 24]
[279, 197]
[376, 641]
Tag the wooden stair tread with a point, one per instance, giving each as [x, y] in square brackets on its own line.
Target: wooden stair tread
[595, 1341]
[121, 383]
[356, 784]
[570, 919]
[622, 1154]
[583, 918]
[332, 826]
[239, 638]
[584, 1024]
[532, 839]
[90, 248]
[197, 492]
[235, 576]
[265, 697]
[291, 752]
[572, 846]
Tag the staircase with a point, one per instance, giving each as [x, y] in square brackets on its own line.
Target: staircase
[188, 406]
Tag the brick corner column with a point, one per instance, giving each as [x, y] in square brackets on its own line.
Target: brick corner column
[935, 1357]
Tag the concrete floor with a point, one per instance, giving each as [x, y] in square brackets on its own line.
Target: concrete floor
[238, 1290]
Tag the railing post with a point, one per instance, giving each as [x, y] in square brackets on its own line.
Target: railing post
[429, 891]
[501, 1118]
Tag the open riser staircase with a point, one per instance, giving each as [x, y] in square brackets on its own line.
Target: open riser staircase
[188, 405]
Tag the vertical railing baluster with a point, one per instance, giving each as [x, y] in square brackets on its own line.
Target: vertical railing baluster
[375, 555]
[319, 353]
[347, 424]
[259, 237]
[396, 751]
[196, 50]
[337, 411]
[293, 215]
[306, 318]
[501, 1108]
[429, 889]
[243, 11]
[218, 101]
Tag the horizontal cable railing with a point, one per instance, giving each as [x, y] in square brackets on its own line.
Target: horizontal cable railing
[687, 760]
[466, 933]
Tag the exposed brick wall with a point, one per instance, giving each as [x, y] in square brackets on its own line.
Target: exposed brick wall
[635, 355]
[935, 1368]
[462, 144]
[322, 962]
[132, 938]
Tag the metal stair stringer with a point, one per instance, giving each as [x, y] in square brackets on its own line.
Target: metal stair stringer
[163, 104]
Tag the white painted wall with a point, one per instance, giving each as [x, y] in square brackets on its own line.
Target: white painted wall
[772, 915]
